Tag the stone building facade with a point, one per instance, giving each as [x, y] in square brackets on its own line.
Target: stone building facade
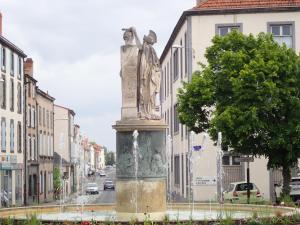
[184, 50]
[45, 128]
[63, 146]
[31, 171]
[11, 122]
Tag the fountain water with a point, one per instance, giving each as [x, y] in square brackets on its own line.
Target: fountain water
[136, 165]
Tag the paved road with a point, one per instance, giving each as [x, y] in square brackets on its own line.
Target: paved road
[107, 196]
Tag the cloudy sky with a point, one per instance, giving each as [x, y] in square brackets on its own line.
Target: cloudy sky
[75, 46]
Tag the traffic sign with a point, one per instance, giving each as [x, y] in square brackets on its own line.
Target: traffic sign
[244, 159]
[205, 181]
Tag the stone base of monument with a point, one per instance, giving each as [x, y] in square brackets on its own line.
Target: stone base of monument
[141, 169]
[141, 199]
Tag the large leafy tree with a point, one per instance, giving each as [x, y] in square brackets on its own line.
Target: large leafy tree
[250, 91]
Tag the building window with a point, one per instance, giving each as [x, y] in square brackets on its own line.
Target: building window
[19, 137]
[34, 148]
[19, 100]
[12, 95]
[177, 170]
[30, 186]
[3, 57]
[29, 89]
[40, 116]
[44, 117]
[51, 120]
[226, 160]
[12, 136]
[28, 115]
[47, 118]
[235, 161]
[181, 60]
[187, 169]
[3, 93]
[3, 134]
[175, 64]
[283, 33]
[41, 182]
[33, 117]
[176, 119]
[185, 54]
[12, 63]
[19, 68]
[41, 142]
[223, 29]
[29, 147]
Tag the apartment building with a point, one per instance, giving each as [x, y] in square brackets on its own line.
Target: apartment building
[184, 50]
[63, 144]
[45, 129]
[11, 122]
[31, 169]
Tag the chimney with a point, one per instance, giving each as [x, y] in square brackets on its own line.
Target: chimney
[28, 67]
[0, 23]
[199, 1]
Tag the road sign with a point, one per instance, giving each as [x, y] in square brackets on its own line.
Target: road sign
[244, 159]
[205, 181]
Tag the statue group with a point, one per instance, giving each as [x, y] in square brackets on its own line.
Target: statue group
[141, 74]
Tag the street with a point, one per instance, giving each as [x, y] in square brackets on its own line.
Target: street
[108, 196]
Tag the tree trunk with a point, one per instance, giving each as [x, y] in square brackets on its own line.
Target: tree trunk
[286, 174]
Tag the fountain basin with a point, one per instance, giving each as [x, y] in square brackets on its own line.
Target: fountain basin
[175, 212]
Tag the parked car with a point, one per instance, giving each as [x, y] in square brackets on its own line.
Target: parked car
[109, 185]
[294, 192]
[102, 173]
[238, 192]
[92, 188]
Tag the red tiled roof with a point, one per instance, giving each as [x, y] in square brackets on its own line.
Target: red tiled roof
[242, 4]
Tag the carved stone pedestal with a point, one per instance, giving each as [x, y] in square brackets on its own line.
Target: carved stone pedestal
[141, 178]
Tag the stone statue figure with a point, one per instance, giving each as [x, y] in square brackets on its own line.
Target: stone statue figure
[149, 75]
[129, 67]
[141, 74]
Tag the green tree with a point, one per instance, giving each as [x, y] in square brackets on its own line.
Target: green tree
[109, 157]
[56, 181]
[249, 91]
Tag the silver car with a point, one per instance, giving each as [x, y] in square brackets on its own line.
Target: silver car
[92, 188]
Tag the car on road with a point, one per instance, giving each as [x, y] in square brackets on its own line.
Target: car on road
[102, 173]
[109, 185]
[238, 192]
[92, 188]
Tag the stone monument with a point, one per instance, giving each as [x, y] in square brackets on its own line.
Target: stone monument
[141, 137]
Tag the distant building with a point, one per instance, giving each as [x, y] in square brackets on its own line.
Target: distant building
[185, 48]
[11, 123]
[31, 149]
[45, 128]
[63, 146]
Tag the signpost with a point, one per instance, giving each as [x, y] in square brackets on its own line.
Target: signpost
[246, 159]
[205, 181]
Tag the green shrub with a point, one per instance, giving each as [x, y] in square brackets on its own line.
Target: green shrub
[287, 201]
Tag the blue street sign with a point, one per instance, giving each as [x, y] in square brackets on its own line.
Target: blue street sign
[197, 148]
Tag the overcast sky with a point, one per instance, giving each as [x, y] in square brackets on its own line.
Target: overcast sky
[75, 46]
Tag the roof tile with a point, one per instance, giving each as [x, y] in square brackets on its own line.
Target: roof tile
[241, 4]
